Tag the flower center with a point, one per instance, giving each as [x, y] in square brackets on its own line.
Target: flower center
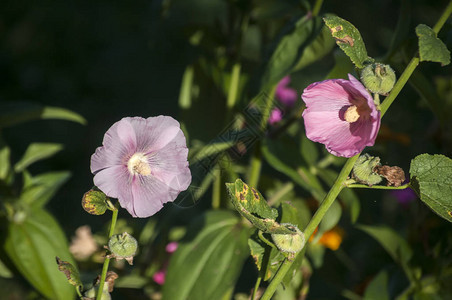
[138, 164]
[351, 115]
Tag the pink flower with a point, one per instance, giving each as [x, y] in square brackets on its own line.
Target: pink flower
[275, 116]
[171, 247]
[340, 114]
[159, 277]
[142, 163]
[284, 94]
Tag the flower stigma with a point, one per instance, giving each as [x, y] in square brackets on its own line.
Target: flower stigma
[138, 164]
[351, 115]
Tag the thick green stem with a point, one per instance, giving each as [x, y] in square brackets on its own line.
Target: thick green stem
[317, 7]
[446, 13]
[399, 85]
[413, 64]
[342, 177]
[315, 221]
[114, 217]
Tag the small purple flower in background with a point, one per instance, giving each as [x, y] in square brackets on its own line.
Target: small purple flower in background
[142, 163]
[275, 116]
[284, 94]
[159, 277]
[171, 247]
[405, 196]
[340, 114]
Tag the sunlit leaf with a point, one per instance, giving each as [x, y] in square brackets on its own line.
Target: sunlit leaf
[348, 39]
[32, 246]
[290, 49]
[39, 189]
[12, 113]
[5, 164]
[431, 177]
[36, 152]
[209, 259]
[431, 48]
[318, 48]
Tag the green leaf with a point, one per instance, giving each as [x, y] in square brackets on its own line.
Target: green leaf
[348, 39]
[267, 259]
[395, 245]
[38, 190]
[251, 200]
[431, 48]
[342, 66]
[378, 288]
[309, 151]
[348, 196]
[431, 177]
[279, 156]
[32, 246]
[290, 49]
[71, 273]
[331, 218]
[4, 271]
[12, 113]
[36, 152]
[4, 160]
[209, 259]
[320, 46]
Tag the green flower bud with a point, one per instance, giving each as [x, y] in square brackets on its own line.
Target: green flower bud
[95, 202]
[123, 246]
[378, 78]
[363, 170]
[291, 243]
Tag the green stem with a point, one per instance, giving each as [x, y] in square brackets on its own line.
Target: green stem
[399, 85]
[255, 167]
[342, 177]
[216, 190]
[317, 7]
[114, 217]
[312, 225]
[233, 86]
[267, 109]
[265, 240]
[413, 64]
[286, 188]
[443, 18]
[256, 159]
[256, 287]
[377, 187]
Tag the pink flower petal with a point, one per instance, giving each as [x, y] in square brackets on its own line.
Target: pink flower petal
[284, 94]
[283, 82]
[113, 181]
[326, 102]
[171, 247]
[159, 277]
[142, 163]
[275, 116]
